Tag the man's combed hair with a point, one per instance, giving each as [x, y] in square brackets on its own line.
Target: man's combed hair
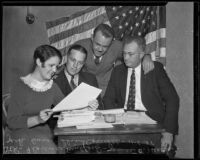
[138, 39]
[78, 48]
[106, 30]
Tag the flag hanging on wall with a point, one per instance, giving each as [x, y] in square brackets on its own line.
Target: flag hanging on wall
[147, 21]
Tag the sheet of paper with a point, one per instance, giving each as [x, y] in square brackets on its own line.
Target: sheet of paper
[93, 125]
[97, 123]
[137, 118]
[73, 119]
[78, 98]
[74, 113]
[111, 111]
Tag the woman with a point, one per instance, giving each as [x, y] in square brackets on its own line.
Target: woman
[30, 105]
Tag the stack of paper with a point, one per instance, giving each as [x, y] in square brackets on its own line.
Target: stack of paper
[137, 118]
[111, 111]
[94, 125]
[75, 118]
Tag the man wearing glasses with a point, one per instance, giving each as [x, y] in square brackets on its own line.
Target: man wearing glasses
[152, 93]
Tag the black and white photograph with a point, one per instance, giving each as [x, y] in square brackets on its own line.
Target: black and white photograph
[98, 78]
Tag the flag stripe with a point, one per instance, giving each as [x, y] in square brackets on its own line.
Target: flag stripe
[79, 29]
[152, 36]
[125, 20]
[74, 21]
[162, 54]
[152, 46]
[162, 11]
[62, 20]
[53, 23]
[72, 39]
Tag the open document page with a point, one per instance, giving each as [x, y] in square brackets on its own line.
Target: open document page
[78, 98]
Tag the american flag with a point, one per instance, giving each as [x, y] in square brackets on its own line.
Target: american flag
[147, 21]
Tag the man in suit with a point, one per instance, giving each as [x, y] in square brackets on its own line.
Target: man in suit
[72, 74]
[153, 92]
[104, 53]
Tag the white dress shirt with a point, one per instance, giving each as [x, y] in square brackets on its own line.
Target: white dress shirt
[99, 57]
[69, 77]
[138, 102]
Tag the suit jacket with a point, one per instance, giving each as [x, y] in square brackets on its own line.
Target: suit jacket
[85, 77]
[157, 93]
[104, 69]
[64, 86]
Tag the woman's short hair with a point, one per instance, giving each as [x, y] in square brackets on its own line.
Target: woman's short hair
[44, 52]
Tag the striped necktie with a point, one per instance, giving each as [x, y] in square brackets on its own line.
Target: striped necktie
[72, 84]
[131, 96]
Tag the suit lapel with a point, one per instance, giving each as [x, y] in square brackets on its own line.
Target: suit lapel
[142, 83]
[124, 82]
[80, 78]
[66, 84]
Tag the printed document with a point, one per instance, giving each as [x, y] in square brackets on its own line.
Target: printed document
[78, 98]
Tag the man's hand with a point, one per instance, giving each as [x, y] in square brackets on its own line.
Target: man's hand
[166, 141]
[93, 105]
[147, 63]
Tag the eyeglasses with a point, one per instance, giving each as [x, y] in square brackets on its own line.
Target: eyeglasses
[80, 63]
[130, 53]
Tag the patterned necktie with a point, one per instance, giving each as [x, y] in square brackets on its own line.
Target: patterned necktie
[97, 60]
[72, 84]
[131, 96]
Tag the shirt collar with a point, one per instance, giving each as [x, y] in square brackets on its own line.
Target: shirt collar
[97, 56]
[137, 69]
[69, 76]
[35, 84]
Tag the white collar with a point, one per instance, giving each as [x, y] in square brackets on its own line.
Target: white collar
[100, 57]
[35, 84]
[69, 76]
[137, 69]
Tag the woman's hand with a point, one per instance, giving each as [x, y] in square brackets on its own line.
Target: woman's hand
[44, 115]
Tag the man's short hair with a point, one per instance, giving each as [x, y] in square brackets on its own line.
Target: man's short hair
[78, 48]
[141, 42]
[105, 29]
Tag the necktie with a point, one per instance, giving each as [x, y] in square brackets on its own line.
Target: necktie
[131, 96]
[97, 60]
[72, 84]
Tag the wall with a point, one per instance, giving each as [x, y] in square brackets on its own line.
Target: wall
[180, 69]
[20, 40]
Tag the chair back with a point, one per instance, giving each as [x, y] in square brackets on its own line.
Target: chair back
[5, 104]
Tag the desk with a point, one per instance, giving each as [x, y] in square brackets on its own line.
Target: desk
[69, 137]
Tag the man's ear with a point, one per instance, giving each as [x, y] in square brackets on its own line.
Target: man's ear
[142, 55]
[38, 62]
